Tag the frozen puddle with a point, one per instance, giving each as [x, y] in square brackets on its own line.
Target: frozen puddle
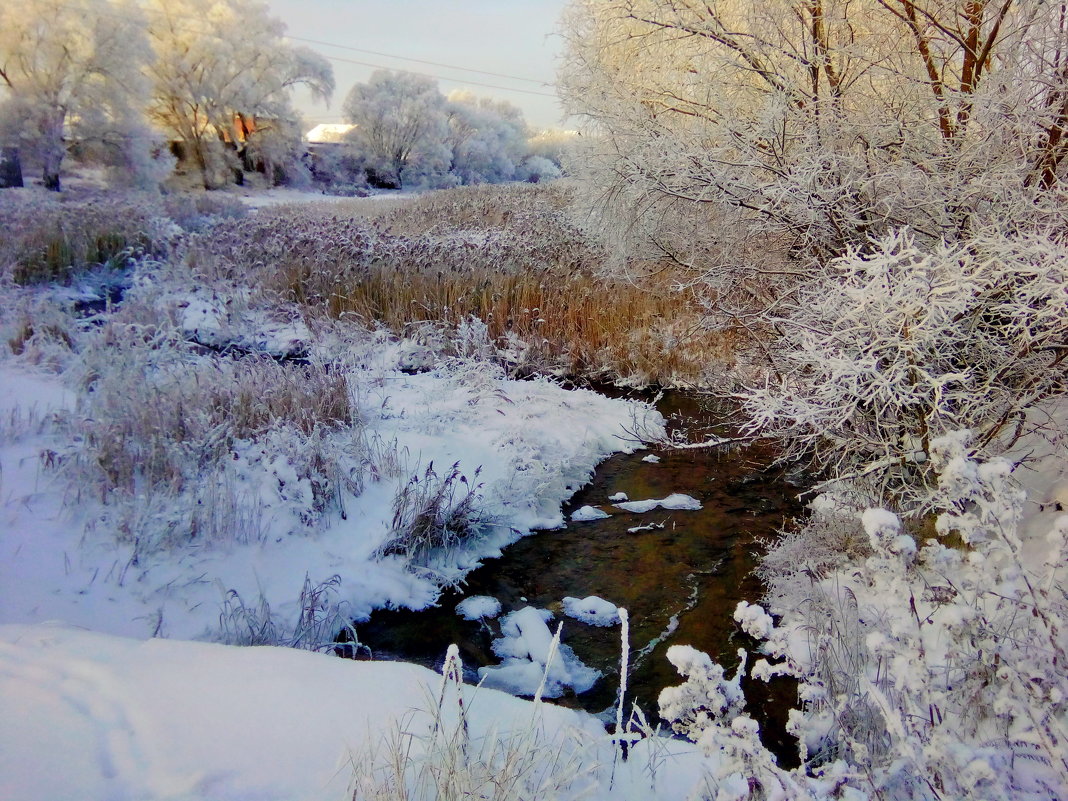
[524, 650]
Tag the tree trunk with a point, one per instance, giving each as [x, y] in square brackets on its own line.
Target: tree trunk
[10, 168]
[53, 151]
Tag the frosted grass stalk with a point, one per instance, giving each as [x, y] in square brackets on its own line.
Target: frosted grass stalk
[553, 647]
[624, 665]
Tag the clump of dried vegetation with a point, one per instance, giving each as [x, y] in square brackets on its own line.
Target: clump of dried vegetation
[49, 238]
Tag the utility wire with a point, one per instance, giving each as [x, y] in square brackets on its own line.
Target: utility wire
[418, 60]
[170, 18]
[442, 77]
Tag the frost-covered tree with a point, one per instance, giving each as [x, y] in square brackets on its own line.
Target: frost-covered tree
[223, 74]
[401, 126]
[72, 70]
[815, 123]
[487, 138]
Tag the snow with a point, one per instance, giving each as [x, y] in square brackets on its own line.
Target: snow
[279, 196]
[618, 496]
[588, 513]
[160, 719]
[525, 649]
[754, 620]
[646, 527]
[478, 607]
[592, 610]
[652, 458]
[676, 500]
[213, 321]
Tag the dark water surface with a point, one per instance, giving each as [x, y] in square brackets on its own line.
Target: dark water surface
[680, 583]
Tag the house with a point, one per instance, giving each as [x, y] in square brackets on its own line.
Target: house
[328, 133]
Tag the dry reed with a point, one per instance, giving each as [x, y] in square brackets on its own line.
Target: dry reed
[508, 256]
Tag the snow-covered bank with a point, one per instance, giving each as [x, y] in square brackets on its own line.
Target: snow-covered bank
[97, 717]
[532, 443]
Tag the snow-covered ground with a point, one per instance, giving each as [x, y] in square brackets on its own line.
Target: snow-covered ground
[534, 443]
[93, 716]
[158, 716]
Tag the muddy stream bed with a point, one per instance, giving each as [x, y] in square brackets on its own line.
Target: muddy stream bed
[680, 583]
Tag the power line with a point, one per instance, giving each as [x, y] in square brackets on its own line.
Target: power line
[200, 32]
[418, 60]
[442, 77]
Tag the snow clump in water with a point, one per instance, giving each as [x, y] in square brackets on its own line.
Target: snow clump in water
[587, 513]
[676, 500]
[524, 650]
[478, 607]
[592, 610]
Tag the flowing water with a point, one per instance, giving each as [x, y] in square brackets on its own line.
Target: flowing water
[680, 581]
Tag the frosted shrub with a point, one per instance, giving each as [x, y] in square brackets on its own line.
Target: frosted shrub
[932, 672]
[434, 512]
[706, 698]
[891, 348]
[708, 709]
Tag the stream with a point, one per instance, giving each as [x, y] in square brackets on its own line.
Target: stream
[680, 583]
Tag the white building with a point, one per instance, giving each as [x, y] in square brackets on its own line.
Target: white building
[327, 133]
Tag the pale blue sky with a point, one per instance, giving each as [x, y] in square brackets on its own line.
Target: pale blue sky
[510, 37]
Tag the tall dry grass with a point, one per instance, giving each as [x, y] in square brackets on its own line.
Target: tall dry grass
[508, 256]
[158, 435]
[47, 238]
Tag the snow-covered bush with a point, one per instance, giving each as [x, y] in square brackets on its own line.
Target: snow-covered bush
[434, 512]
[535, 170]
[552, 144]
[889, 348]
[706, 698]
[930, 672]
